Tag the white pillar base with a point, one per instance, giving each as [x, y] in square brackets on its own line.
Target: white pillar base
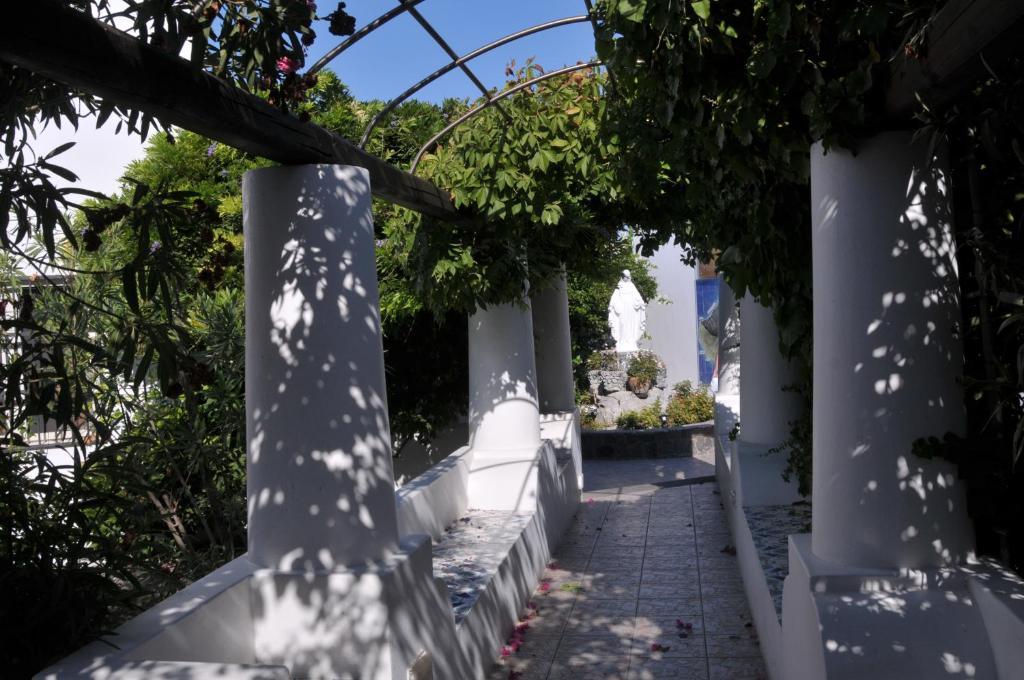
[246, 622]
[504, 480]
[504, 416]
[841, 623]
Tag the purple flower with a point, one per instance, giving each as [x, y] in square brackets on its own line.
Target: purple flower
[155, 247]
[211, 149]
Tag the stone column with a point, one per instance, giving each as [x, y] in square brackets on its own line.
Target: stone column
[556, 389]
[728, 341]
[320, 486]
[887, 357]
[504, 414]
[766, 409]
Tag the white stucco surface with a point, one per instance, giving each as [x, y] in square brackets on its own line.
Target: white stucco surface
[887, 356]
[319, 476]
[672, 325]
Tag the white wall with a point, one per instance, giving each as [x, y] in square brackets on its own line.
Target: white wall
[672, 326]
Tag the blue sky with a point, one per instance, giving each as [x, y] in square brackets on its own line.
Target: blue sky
[399, 54]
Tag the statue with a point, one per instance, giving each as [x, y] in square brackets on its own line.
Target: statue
[627, 315]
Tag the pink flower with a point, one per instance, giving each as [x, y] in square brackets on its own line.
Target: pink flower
[287, 65]
[522, 627]
[545, 587]
[658, 647]
[506, 652]
[590, 501]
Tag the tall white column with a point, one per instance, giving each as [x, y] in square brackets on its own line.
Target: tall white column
[887, 357]
[556, 389]
[728, 341]
[504, 413]
[320, 484]
[765, 407]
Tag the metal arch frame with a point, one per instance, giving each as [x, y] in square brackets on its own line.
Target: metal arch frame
[404, 6]
[458, 62]
[494, 100]
[443, 44]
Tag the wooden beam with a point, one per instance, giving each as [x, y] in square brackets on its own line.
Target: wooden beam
[70, 47]
[963, 37]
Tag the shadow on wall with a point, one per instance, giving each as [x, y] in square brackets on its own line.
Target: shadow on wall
[320, 482]
[503, 404]
[910, 361]
[318, 423]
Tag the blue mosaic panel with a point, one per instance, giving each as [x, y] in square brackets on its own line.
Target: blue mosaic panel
[707, 344]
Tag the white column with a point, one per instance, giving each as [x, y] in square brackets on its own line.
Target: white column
[765, 408]
[320, 484]
[556, 389]
[504, 415]
[887, 357]
[728, 341]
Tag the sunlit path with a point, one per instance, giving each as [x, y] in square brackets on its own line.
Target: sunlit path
[644, 585]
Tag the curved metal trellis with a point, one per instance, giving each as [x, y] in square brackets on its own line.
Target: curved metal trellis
[405, 6]
[458, 62]
[494, 100]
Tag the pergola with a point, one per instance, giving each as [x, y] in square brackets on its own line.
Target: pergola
[338, 577]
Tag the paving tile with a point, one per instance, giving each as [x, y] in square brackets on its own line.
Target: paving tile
[733, 646]
[661, 628]
[675, 644]
[670, 607]
[614, 585]
[669, 589]
[637, 558]
[591, 657]
[737, 669]
[619, 560]
[668, 668]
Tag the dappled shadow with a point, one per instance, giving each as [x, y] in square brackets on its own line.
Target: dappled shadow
[887, 363]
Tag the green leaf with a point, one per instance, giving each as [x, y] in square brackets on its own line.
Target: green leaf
[702, 8]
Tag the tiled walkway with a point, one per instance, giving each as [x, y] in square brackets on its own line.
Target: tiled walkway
[644, 585]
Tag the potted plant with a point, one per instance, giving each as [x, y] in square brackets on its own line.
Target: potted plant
[642, 373]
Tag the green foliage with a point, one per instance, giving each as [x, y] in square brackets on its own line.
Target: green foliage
[647, 418]
[717, 106]
[688, 405]
[644, 367]
[538, 187]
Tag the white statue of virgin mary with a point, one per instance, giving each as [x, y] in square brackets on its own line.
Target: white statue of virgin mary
[627, 315]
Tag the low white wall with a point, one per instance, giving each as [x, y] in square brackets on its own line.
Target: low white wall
[1000, 597]
[206, 628]
[416, 458]
[757, 476]
[436, 498]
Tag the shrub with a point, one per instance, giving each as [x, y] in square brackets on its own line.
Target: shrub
[644, 367]
[601, 361]
[683, 389]
[686, 408]
[648, 418]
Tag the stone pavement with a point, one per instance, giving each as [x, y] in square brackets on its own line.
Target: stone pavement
[644, 585]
